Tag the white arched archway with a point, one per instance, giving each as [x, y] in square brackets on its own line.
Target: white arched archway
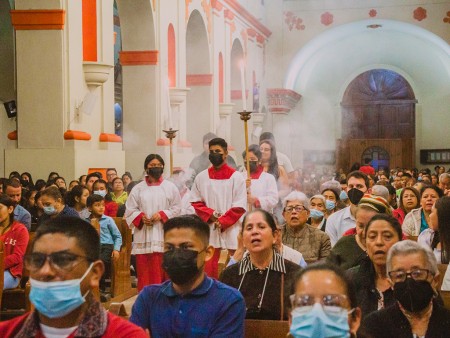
[199, 80]
[323, 68]
[141, 118]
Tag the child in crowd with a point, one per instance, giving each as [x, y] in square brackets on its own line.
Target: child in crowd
[110, 237]
[100, 187]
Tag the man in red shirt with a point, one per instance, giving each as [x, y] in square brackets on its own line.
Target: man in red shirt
[64, 268]
[367, 168]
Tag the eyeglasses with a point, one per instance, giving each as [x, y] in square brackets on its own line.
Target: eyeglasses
[297, 208]
[60, 261]
[330, 303]
[417, 274]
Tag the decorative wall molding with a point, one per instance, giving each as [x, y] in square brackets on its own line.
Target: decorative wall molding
[247, 16]
[199, 80]
[42, 19]
[281, 100]
[139, 58]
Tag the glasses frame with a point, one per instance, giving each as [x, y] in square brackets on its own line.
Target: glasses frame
[290, 209]
[49, 258]
[410, 274]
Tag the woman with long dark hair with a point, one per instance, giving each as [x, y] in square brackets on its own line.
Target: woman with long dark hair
[15, 237]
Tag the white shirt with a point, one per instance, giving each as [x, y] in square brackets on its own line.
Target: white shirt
[425, 238]
[338, 223]
[265, 189]
[221, 195]
[53, 332]
[285, 162]
[150, 199]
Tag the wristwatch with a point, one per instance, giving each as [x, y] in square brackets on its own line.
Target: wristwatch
[216, 214]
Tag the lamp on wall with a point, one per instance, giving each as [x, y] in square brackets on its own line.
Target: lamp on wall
[11, 108]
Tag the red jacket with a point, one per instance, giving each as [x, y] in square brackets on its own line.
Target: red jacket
[116, 328]
[16, 241]
[111, 208]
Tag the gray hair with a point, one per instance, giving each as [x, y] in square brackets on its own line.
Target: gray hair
[382, 191]
[443, 176]
[320, 197]
[296, 196]
[408, 247]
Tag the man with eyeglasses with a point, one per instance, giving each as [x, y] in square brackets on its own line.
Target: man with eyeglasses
[65, 268]
[414, 276]
[312, 243]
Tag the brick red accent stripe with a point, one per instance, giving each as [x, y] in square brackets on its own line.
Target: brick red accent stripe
[43, 19]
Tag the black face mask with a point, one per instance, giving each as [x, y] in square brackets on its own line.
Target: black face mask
[155, 172]
[253, 166]
[24, 183]
[413, 295]
[181, 265]
[216, 159]
[355, 195]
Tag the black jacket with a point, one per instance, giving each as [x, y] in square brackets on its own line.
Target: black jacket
[366, 292]
[391, 322]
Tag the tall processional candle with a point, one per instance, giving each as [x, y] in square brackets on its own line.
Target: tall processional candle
[244, 98]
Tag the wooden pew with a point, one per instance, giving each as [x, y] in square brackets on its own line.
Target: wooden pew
[119, 310]
[15, 302]
[223, 260]
[120, 270]
[266, 328]
[446, 298]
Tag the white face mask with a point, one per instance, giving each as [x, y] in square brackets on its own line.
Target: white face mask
[56, 299]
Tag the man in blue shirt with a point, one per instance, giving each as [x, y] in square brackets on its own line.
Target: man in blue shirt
[190, 304]
[13, 189]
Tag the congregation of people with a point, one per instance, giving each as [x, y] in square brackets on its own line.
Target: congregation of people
[335, 253]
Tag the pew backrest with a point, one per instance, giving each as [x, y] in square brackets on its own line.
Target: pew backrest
[266, 328]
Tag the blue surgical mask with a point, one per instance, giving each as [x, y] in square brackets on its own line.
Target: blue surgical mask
[57, 299]
[314, 213]
[100, 192]
[50, 210]
[313, 321]
[343, 195]
[330, 205]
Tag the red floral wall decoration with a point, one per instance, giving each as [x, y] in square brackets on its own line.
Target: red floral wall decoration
[420, 13]
[326, 18]
[293, 22]
[447, 19]
[372, 13]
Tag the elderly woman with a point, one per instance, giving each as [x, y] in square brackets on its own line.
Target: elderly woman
[263, 188]
[324, 303]
[413, 274]
[262, 276]
[419, 219]
[437, 236]
[314, 244]
[317, 212]
[409, 200]
[331, 190]
[373, 289]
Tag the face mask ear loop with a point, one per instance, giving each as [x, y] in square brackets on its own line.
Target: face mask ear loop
[84, 276]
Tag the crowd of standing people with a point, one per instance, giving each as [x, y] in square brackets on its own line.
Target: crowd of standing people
[336, 253]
